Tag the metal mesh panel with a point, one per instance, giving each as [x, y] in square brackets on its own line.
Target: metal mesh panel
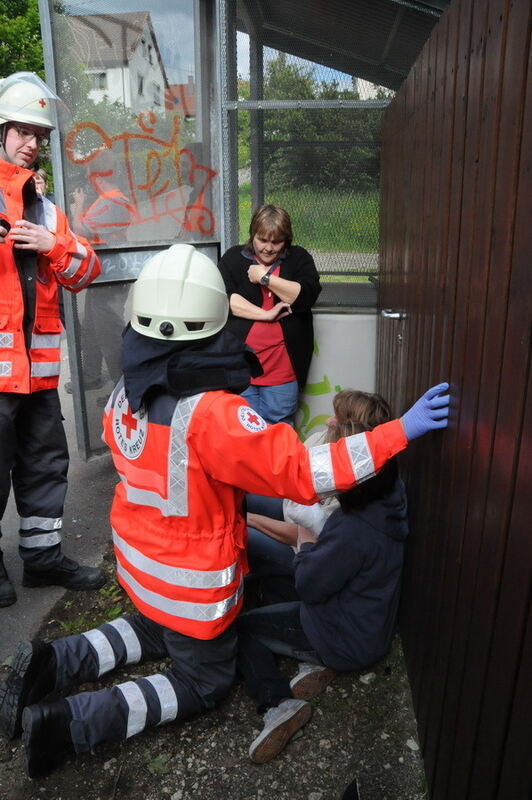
[95, 319]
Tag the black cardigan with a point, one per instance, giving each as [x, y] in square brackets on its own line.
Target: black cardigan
[349, 582]
[297, 265]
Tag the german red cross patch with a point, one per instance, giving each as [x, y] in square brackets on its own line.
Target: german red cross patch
[130, 430]
[250, 420]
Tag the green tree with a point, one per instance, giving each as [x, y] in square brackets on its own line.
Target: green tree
[20, 37]
[319, 148]
[244, 93]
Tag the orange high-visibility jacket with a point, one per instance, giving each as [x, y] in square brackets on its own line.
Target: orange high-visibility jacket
[71, 263]
[178, 530]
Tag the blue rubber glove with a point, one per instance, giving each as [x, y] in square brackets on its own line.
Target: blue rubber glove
[429, 413]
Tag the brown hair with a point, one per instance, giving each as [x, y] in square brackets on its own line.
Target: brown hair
[42, 174]
[271, 221]
[358, 412]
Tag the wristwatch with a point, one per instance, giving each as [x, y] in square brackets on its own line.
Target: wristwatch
[265, 280]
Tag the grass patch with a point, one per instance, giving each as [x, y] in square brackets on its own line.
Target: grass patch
[91, 609]
[323, 221]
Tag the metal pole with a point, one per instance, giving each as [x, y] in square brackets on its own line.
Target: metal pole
[69, 300]
[226, 24]
[256, 75]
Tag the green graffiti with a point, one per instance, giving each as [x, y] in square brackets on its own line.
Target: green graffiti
[304, 425]
[323, 387]
[316, 422]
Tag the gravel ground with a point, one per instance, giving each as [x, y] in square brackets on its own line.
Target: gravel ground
[362, 726]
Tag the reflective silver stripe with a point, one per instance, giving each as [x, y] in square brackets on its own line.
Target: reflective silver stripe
[48, 340]
[104, 650]
[145, 497]
[76, 260]
[70, 271]
[178, 456]
[138, 710]
[201, 612]
[177, 503]
[86, 278]
[45, 369]
[44, 523]
[167, 697]
[6, 369]
[175, 576]
[130, 639]
[6, 340]
[50, 220]
[40, 540]
[322, 470]
[360, 455]
[50, 215]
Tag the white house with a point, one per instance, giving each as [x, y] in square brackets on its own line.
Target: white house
[122, 59]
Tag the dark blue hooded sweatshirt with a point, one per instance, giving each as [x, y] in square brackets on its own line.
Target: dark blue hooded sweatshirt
[349, 582]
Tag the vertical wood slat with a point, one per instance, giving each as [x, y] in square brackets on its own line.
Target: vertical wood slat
[421, 564]
[432, 670]
[434, 694]
[473, 268]
[515, 404]
[501, 390]
[417, 612]
[468, 583]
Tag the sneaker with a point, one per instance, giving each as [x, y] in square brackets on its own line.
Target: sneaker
[311, 680]
[32, 677]
[68, 574]
[280, 724]
[46, 736]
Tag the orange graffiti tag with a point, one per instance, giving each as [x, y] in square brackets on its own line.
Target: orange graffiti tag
[139, 179]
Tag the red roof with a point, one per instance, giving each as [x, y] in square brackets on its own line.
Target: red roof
[181, 97]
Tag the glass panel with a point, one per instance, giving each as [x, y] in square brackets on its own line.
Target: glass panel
[136, 158]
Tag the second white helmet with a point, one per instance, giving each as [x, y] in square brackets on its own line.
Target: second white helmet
[179, 296]
[25, 98]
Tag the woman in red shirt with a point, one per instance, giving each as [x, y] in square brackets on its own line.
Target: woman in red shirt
[272, 286]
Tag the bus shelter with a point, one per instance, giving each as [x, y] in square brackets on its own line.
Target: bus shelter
[181, 118]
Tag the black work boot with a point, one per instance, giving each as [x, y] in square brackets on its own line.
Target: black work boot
[46, 736]
[7, 590]
[68, 574]
[32, 678]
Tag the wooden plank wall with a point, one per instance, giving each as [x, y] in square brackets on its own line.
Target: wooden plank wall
[456, 233]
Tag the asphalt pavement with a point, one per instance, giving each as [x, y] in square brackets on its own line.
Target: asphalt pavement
[86, 535]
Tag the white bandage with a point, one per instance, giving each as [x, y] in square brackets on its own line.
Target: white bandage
[311, 517]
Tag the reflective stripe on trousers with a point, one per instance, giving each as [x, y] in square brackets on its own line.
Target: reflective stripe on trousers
[39, 532]
[124, 710]
[202, 673]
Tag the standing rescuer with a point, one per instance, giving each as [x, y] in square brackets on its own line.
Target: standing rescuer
[38, 253]
[186, 447]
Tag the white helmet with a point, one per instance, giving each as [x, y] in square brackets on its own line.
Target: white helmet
[179, 296]
[25, 98]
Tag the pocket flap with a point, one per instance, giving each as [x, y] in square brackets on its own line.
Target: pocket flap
[48, 325]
